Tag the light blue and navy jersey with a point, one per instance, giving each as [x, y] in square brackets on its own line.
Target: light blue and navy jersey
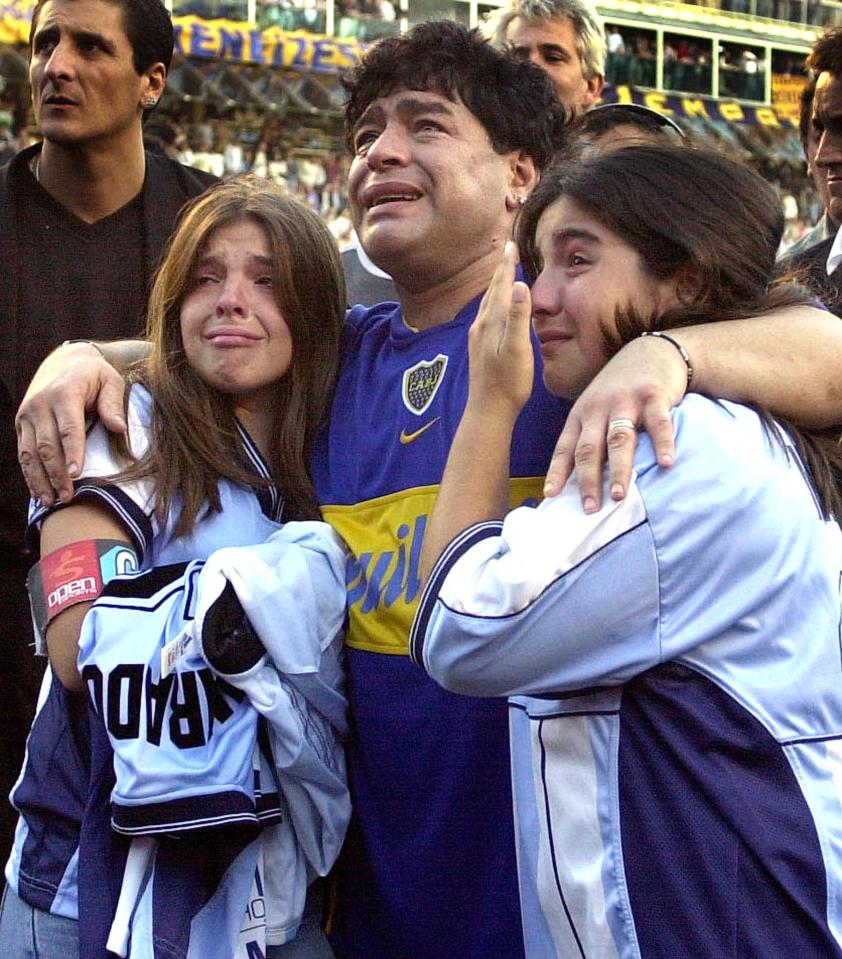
[216, 737]
[673, 663]
[51, 791]
[428, 868]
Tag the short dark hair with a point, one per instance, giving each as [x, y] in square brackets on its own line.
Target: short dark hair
[826, 55]
[148, 26]
[805, 111]
[514, 101]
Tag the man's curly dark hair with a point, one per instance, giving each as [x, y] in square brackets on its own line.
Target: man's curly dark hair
[514, 100]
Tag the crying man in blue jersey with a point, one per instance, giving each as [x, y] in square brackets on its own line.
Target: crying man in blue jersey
[448, 137]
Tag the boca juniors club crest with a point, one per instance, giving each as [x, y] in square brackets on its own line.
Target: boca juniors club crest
[421, 383]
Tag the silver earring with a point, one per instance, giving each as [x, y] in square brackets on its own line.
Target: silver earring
[521, 200]
[150, 102]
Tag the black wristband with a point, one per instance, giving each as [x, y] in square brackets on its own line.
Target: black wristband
[90, 343]
[684, 354]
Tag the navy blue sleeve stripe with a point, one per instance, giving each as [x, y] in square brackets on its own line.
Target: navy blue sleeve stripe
[184, 814]
[145, 584]
[137, 523]
[811, 739]
[464, 541]
[552, 583]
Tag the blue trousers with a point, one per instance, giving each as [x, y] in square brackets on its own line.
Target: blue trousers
[29, 933]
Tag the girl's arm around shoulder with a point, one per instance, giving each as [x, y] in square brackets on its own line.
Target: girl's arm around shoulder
[786, 360]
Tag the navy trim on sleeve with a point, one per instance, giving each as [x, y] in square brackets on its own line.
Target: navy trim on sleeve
[462, 543]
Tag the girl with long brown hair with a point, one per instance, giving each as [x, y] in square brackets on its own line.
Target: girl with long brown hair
[244, 319]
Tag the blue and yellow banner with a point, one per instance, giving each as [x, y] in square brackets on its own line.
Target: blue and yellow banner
[224, 40]
[244, 43]
[693, 105]
[786, 94]
[15, 17]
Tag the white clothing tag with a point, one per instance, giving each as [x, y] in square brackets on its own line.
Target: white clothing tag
[175, 650]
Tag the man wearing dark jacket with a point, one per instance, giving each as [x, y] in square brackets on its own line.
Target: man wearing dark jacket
[84, 217]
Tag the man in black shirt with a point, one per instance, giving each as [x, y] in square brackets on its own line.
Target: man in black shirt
[84, 217]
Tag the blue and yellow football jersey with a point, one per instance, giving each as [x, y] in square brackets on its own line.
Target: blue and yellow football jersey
[429, 867]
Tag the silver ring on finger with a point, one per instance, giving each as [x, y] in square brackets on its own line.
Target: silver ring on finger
[622, 423]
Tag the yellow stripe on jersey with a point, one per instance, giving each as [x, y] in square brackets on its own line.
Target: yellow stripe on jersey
[384, 536]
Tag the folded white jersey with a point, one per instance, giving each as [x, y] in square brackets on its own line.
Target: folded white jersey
[196, 750]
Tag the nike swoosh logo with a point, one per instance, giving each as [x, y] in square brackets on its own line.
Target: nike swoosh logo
[409, 437]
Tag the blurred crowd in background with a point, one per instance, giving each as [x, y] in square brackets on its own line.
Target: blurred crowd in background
[228, 118]
[235, 144]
